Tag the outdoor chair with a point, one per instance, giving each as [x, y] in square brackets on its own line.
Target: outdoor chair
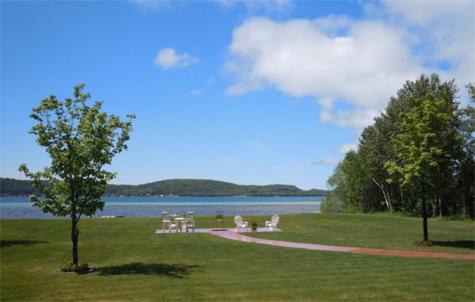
[189, 221]
[240, 224]
[272, 224]
[167, 223]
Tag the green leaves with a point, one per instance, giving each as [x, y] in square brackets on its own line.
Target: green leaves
[421, 147]
[80, 140]
[422, 137]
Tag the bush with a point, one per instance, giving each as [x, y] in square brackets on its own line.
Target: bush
[332, 205]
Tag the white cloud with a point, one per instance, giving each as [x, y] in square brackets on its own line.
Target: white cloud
[433, 12]
[357, 119]
[329, 161]
[168, 58]
[446, 27]
[347, 148]
[358, 62]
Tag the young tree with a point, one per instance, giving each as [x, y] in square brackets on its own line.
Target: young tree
[425, 149]
[80, 140]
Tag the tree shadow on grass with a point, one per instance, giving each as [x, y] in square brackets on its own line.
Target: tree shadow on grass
[9, 243]
[139, 268]
[467, 244]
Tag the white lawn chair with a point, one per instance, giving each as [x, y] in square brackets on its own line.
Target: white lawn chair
[272, 224]
[167, 223]
[189, 221]
[239, 223]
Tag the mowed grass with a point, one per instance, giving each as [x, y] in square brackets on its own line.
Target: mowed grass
[376, 231]
[133, 263]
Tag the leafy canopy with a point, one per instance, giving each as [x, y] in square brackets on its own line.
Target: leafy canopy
[80, 140]
[420, 145]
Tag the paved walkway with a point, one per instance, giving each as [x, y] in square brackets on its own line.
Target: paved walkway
[228, 234]
[209, 230]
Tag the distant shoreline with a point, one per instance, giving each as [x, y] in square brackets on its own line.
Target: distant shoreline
[175, 187]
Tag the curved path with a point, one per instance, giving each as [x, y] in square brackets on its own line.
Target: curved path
[341, 249]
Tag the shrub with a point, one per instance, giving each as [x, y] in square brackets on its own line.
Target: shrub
[332, 205]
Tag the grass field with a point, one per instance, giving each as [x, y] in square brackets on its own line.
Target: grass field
[377, 231]
[132, 263]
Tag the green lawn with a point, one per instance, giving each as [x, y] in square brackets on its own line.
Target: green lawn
[132, 263]
[377, 231]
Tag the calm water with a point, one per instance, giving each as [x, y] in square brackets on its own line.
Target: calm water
[14, 207]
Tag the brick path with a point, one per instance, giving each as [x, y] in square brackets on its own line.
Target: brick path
[228, 234]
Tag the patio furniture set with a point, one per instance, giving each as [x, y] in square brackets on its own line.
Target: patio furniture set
[177, 223]
[244, 225]
[186, 222]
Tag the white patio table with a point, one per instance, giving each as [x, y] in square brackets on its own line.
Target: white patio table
[179, 222]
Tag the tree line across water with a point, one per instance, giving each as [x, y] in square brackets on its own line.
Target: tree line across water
[183, 187]
[417, 157]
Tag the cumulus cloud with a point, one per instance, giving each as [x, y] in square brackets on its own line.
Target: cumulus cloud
[333, 59]
[447, 27]
[358, 118]
[352, 67]
[168, 58]
[347, 148]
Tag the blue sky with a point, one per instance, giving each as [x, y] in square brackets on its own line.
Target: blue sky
[247, 92]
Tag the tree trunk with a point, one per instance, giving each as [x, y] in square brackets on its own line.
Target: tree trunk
[440, 206]
[424, 215]
[464, 196]
[424, 220]
[75, 239]
[386, 196]
[403, 200]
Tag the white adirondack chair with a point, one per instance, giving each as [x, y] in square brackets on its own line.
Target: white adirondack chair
[167, 223]
[190, 221]
[272, 224]
[240, 224]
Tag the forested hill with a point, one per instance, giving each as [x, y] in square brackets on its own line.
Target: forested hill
[182, 187]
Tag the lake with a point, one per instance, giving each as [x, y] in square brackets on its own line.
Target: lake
[16, 207]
